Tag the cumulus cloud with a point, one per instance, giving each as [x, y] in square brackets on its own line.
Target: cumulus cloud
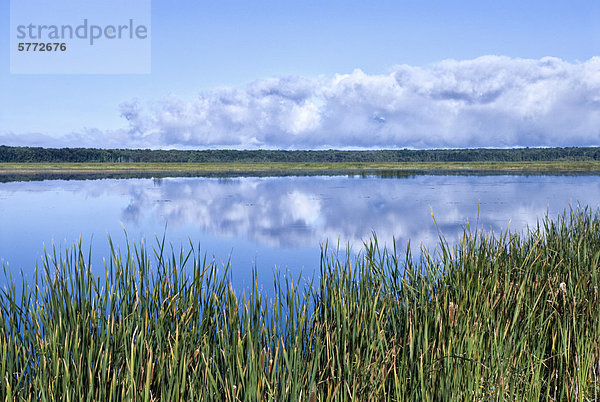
[490, 101]
[87, 138]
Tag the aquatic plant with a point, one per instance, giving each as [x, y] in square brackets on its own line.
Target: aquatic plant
[496, 317]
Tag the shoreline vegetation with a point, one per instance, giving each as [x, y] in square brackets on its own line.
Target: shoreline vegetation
[73, 171]
[24, 163]
[95, 155]
[503, 317]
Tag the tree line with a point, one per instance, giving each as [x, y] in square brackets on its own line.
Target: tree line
[95, 155]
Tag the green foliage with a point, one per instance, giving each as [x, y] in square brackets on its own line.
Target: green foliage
[93, 155]
[495, 318]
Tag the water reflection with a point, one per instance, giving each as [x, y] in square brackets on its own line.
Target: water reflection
[271, 221]
[291, 212]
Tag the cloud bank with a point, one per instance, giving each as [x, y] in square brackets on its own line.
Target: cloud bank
[491, 101]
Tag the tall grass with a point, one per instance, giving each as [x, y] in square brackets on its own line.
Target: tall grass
[503, 317]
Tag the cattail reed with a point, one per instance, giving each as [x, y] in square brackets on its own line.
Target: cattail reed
[482, 320]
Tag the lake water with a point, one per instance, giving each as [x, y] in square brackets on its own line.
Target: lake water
[271, 222]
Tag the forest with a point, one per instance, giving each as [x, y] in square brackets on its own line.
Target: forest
[96, 155]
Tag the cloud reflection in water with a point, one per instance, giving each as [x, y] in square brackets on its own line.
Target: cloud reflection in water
[301, 211]
[277, 221]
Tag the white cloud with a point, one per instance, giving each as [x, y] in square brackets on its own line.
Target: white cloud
[490, 101]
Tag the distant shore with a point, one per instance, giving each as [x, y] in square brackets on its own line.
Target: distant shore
[293, 168]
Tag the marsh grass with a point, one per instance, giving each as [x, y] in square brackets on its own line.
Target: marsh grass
[504, 317]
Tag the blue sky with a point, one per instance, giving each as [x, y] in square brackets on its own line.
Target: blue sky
[311, 74]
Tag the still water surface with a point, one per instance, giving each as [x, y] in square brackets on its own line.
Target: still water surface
[274, 221]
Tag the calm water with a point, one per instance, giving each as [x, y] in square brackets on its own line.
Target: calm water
[272, 222]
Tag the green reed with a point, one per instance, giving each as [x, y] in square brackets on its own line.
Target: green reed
[503, 317]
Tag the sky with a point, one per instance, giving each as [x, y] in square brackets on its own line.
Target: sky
[329, 74]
